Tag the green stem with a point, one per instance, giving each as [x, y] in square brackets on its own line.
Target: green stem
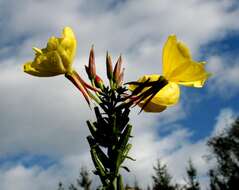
[111, 131]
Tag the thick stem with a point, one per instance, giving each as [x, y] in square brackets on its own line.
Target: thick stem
[111, 131]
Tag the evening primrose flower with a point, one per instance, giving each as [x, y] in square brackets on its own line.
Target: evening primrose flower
[56, 58]
[178, 69]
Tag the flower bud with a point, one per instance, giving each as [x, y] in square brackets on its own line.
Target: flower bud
[91, 67]
[121, 78]
[117, 69]
[99, 82]
[109, 67]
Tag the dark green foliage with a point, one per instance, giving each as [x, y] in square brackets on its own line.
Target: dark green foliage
[60, 186]
[109, 144]
[161, 179]
[225, 148]
[192, 182]
[109, 138]
[84, 181]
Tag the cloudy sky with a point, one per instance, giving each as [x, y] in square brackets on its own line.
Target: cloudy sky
[42, 120]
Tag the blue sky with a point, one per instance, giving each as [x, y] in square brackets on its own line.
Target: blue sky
[42, 121]
[205, 115]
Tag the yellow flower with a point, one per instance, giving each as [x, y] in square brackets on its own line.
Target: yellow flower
[178, 68]
[56, 58]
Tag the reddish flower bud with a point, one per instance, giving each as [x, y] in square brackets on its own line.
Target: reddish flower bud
[117, 69]
[91, 67]
[98, 82]
[109, 66]
[121, 78]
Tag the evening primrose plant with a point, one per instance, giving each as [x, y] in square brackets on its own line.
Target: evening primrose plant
[110, 133]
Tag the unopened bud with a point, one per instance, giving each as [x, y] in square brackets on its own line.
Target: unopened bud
[99, 82]
[109, 67]
[117, 69]
[91, 67]
[121, 78]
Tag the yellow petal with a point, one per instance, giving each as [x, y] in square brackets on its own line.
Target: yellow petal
[46, 65]
[168, 95]
[192, 74]
[56, 58]
[52, 43]
[68, 42]
[32, 71]
[68, 32]
[179, 67]
[37, 50]
[152, 107]
[175, 55]
[195, 78]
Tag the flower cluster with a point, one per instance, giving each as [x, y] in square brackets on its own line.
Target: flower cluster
[110, 133]
[153, 93]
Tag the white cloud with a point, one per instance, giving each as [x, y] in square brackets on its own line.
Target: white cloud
[225, 75]
[41, 116]
[174, 149]
[22, 178]
[132, 28]
[224, 120]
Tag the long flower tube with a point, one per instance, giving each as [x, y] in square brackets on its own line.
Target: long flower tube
[88, 87]
[73, 78]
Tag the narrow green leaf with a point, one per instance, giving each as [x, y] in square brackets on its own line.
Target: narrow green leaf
[102, 156]
[130, 158]
[124, 138]
[120, 185]
[126, 168]
[98, 165]
[92, 128]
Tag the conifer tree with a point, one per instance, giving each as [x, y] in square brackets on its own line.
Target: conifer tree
[192, 181]
[60, 186]
[84, 180]
[161, 179]
[225, 147]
